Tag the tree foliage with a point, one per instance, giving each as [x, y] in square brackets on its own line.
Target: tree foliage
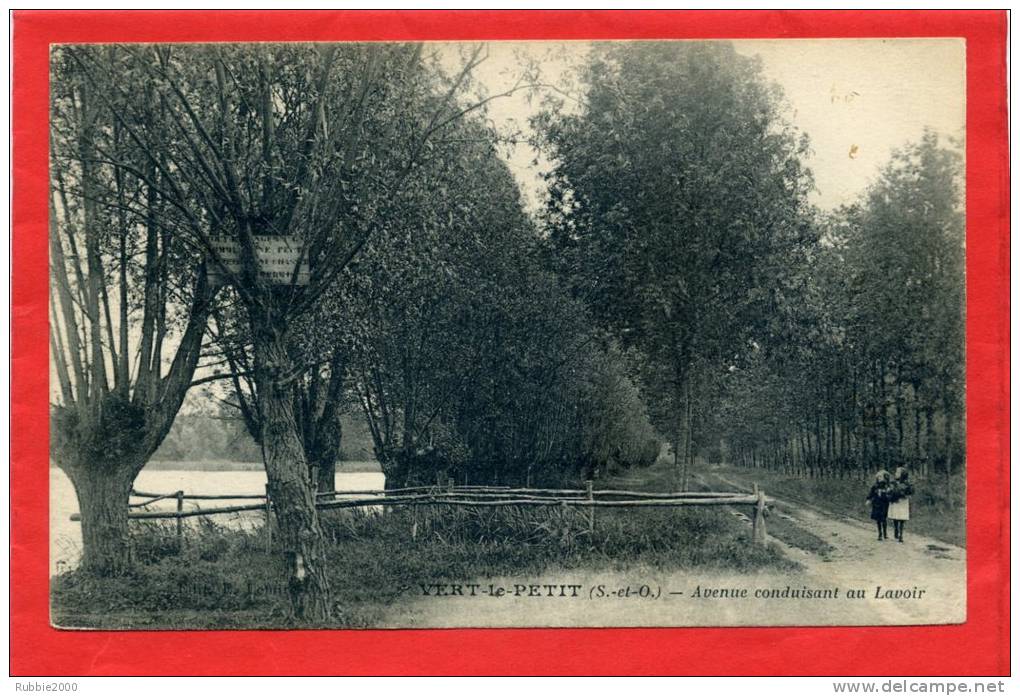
[468, 357]
[676, 197]
[870, 372]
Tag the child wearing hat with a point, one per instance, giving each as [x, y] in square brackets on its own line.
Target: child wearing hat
[878, 497]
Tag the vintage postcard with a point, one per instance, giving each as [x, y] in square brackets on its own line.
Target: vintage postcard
[628, 321]
[504, 334]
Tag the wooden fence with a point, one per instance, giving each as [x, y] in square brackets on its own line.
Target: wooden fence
[464, 496]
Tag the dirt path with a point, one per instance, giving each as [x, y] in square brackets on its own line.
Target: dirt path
[858, 559]
[929, 575]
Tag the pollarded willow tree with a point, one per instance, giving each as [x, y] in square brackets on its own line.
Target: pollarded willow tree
[677, 196]
[129, 300]
[379, 341]
[304, 143]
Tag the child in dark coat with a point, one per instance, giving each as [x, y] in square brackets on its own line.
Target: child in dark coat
[878, 497]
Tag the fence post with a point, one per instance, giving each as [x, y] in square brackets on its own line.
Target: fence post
[269, 522]
[414, 516]
[180, 509]
[591, 508]
[758, 533]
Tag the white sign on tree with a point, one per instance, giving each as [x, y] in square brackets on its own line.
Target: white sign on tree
[277, 257]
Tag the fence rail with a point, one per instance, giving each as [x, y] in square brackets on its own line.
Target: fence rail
[465, 496]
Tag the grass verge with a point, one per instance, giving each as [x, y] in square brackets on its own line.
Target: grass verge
[225, 578]
[661, 478]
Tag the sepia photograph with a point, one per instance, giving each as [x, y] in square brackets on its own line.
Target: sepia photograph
[507, 334]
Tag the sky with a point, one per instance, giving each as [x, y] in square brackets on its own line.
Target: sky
[857, 99]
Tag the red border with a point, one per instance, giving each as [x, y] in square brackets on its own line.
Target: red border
[979, 647]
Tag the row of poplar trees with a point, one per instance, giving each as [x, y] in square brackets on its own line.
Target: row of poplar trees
[869, 372]
[774, 334]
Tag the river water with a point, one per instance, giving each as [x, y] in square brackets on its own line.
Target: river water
[65, 535]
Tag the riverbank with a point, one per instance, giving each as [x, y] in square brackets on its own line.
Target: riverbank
[65, 535]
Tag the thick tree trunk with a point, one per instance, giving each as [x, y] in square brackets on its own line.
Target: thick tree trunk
[323, 455]
[103, 493]
[396, 471]
[393, 480]
[326, 475]
[289, 486]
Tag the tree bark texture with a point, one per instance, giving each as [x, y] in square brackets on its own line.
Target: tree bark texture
[290, 489]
